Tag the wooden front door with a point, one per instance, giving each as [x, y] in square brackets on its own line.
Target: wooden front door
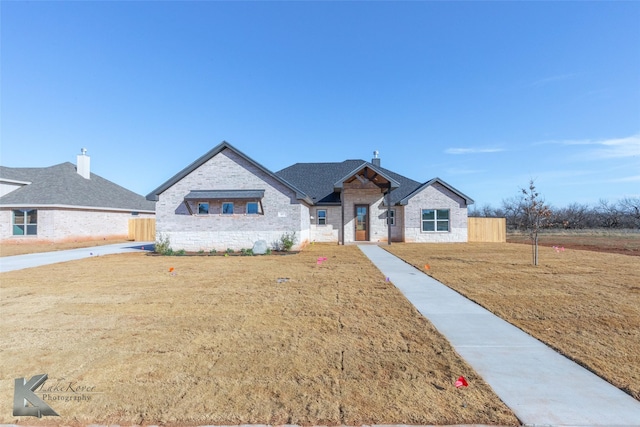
[362, 223]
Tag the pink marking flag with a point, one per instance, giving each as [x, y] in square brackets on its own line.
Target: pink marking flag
[462, 382]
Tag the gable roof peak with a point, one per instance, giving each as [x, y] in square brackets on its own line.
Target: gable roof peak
[154, 195]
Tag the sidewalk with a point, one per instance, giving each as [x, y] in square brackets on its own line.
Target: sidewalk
[18, 262]
[540, 386]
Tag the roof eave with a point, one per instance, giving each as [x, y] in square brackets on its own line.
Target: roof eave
[468, 200]
[59, 206]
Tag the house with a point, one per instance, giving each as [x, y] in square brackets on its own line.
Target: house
[225, 199]
[65, 202]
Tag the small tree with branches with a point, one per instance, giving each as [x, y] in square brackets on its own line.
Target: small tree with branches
[536, 215]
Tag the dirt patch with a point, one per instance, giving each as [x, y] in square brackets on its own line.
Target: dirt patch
[232, 340]
[624, 243]
[26, 246]
[584, 304]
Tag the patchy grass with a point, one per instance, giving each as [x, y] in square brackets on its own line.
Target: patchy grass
[232, 340]
[584, 304]
[27, 246]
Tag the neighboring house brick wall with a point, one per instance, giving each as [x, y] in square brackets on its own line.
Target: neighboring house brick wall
[72, 224]
[282, 212]
[436, 196]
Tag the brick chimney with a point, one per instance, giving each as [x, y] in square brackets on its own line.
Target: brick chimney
[83, 164]
[376, 160]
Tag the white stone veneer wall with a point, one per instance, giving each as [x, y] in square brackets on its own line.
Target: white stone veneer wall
[282, 212]
[436, 196]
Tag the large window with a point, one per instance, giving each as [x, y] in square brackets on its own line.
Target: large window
[392, 216]
[25, 222]
[435, 220]
[227, 208]
[322, 217]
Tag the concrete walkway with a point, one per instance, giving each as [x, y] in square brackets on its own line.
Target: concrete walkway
[18, 262]
[542, 387]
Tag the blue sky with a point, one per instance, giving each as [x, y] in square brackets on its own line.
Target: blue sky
[484, 95]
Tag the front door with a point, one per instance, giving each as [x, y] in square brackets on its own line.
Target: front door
[362, 223]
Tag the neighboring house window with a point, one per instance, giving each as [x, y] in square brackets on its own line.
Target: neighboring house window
[227, 208]
[392, 217]
[435, 219]
[25, 222]
[252, 207]
[322, 217]
[203, 208]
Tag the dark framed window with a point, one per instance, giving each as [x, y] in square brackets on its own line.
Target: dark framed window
[227, 208]
[203, 208]
[321, 217]
[25, 222]
[392, 216]
[434, 220]
[253, 208]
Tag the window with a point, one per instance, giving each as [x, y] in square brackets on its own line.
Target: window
[435, 219]
[252, 207]
[227, 208]
[392, 217]
[25, 222]
[203, 208]
[322, 217]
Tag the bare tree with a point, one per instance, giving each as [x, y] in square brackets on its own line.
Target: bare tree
[630, 206]
[537, 215]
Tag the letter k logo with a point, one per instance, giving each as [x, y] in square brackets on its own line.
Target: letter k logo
[23, 394]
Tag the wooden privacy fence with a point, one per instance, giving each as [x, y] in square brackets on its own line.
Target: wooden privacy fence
[489, 230]
[142, 229]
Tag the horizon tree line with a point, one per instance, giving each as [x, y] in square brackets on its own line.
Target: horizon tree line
[622, 214]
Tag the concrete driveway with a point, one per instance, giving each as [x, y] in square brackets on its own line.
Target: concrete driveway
[19, 262]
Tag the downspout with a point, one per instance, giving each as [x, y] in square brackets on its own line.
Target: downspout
[342, 217]
[389, 215]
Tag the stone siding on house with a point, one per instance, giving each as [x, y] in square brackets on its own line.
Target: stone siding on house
[329, 232]
[435, 196]
[282, 212]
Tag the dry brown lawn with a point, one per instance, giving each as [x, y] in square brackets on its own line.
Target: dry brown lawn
[27, 246]
[220, 340]
[584, 304]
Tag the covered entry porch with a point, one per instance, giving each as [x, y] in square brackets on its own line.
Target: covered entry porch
[365, 207]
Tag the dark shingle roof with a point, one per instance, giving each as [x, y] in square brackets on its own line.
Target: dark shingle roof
[317, 179]
[62, 185]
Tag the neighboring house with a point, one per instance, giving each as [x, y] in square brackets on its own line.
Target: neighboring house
[65, 202]
[225, 199]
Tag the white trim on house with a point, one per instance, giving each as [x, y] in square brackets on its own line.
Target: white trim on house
[82, 208]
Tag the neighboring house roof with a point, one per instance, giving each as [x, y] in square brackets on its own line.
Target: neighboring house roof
[61, 186]
[154, 195]
[318, 179]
